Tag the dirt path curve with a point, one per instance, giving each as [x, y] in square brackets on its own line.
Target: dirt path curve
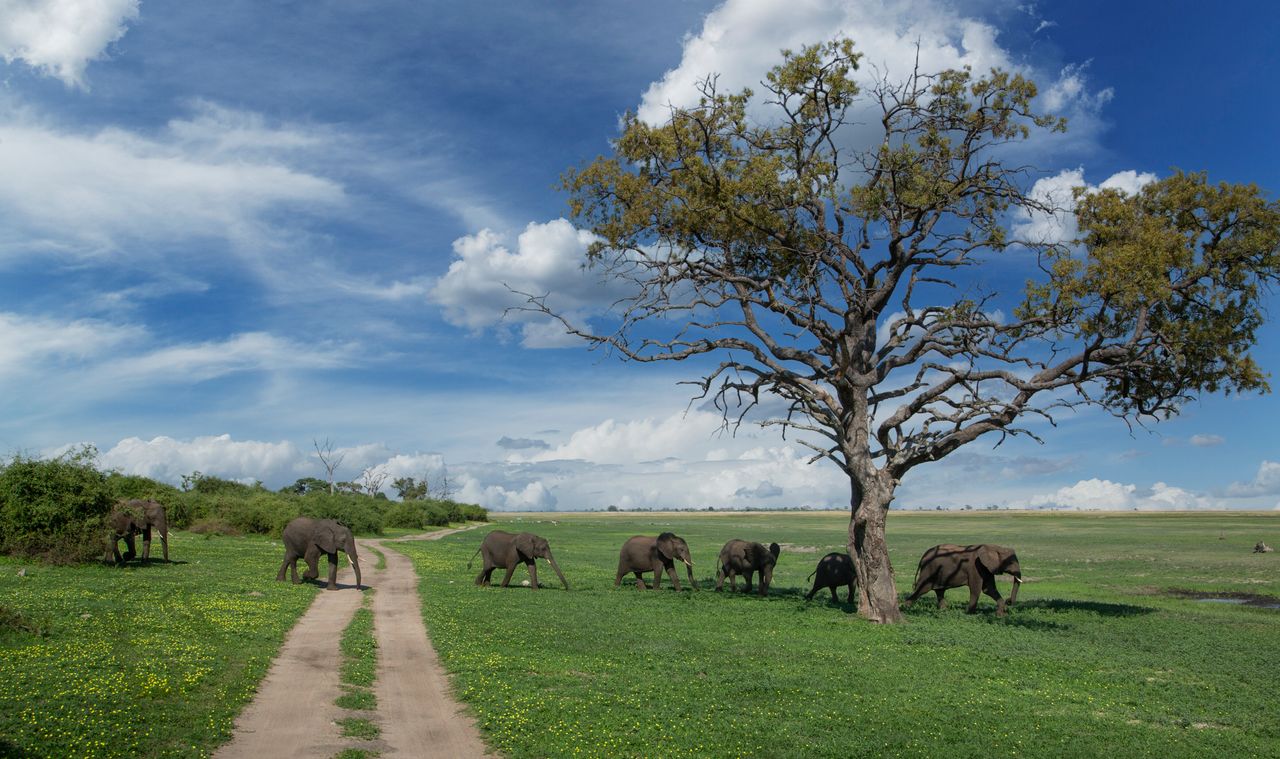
[294, 712]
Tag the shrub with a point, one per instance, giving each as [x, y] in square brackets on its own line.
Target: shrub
[128, 487]
[361, 513]
[54, 509]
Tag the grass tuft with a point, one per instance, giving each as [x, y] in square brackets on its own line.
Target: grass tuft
[359, 728]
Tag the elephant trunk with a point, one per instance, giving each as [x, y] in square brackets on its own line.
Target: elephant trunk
[1017, 583]
[556, 567]
[354, 561]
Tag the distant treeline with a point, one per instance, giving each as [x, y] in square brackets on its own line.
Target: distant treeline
[55, 509]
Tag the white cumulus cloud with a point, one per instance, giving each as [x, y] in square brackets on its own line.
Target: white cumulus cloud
[60, 37]
[1057, 192]
[1265, 482]
[476, 291]
[166, 459]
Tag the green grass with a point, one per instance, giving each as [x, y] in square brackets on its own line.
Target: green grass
[359, 728]
[151, 660]
[381, 563]
[359, 649]
[358, 699]
[1097, 658]
[356, 753]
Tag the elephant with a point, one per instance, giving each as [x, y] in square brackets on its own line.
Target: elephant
[833, 571]
[307, 538]
[504, 550]
[740, 557]
[645, 554]
[952, 566]
[133, 517]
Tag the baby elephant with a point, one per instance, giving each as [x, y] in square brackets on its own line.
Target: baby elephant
[834, 570]
[738, 557]
[503, 550]
[132, 517]
[952, 566]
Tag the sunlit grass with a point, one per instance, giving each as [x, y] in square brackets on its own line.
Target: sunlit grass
[146, 660]
[1095, 659]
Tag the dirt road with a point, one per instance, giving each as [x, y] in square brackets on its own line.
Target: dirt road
[294, 712]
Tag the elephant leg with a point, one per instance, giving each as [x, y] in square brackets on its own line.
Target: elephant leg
[164, 544]
[989, 587]
[747, 576]
[312, 557]
[290, 562]
[130, 548]
[975, 590]
[850, 599]
[640, 580]
[941, 593]
[146, 545]
[675, 579]
[617, 580]
[506, 579]
[333, 571]
[533, 574]
[720, 579]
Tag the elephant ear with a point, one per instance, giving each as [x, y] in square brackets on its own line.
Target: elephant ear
[524, 545]
[326, 538]
[666, 546]
[988, 557]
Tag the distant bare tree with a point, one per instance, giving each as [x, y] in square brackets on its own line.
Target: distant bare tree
[442, 487]
[329, 459]
[372, 479]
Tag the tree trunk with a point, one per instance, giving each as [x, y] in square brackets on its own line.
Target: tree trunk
[877, 594]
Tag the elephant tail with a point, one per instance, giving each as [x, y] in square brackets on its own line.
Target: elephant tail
[811, 574]
[473, 558]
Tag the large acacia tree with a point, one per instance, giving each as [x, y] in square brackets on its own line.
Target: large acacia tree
[854, 283]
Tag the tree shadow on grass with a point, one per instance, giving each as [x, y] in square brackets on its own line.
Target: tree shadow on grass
[1095, 607]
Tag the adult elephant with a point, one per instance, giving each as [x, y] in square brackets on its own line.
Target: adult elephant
[953, 566]
[740, 557]
[505, 550]
[307, 538]
[645, 554]
[129, 518]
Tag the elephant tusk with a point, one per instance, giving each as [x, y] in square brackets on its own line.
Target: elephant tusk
[349, 561]
[688, 563]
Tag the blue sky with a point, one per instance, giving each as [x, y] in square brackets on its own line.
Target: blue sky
[230, 229]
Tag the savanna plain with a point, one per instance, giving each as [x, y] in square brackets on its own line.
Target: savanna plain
[1111, 649]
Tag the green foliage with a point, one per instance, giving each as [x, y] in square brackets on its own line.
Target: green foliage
[130, 487]
[306, 485]
[152, 660]
[421, 514]
[356, 753]
[1094, 659]
[54, 509]
[362, 513]
[1182, 266]
[410, 489]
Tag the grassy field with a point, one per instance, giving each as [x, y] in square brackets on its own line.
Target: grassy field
[152, 660]
[1101, 656]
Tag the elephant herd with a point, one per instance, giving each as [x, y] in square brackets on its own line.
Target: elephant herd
[941, 567]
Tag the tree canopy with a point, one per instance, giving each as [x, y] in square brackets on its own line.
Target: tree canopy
[853, 281]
